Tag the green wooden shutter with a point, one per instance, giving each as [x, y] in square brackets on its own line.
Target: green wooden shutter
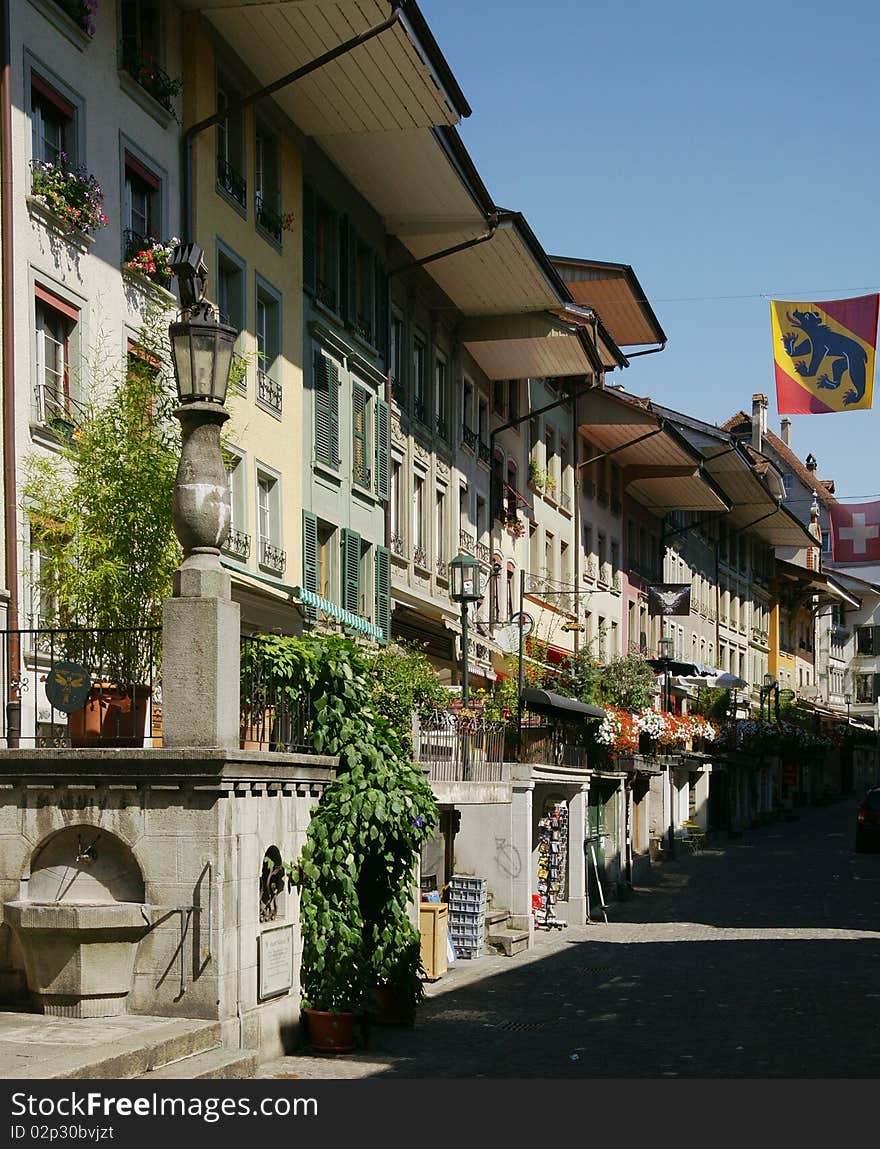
[326, 400]
[360, 440]
[380, 309]
[310, 559]
[351, 570]
[310, 239]
[383, 591]
[383, 451]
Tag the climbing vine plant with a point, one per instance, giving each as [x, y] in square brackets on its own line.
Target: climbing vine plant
[355, 871]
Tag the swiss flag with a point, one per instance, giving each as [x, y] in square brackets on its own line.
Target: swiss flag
[855, 532]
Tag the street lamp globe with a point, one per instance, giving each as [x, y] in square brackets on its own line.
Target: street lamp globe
[201, 346]
[464, 579]
[769, 681]
[666, 645]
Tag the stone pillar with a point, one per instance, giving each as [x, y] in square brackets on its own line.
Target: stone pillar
[200, 658]
[577, 867]
[521, 836]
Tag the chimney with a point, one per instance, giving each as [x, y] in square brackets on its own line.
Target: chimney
[811, 464]
[759, 421]
[785, 430]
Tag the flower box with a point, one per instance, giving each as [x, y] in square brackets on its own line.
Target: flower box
[72, 195]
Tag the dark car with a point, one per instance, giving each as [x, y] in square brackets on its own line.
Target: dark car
[868, 821]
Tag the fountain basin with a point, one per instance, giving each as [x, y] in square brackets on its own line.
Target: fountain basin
[79, 956]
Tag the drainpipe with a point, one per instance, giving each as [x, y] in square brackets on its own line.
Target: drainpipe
[10, 490]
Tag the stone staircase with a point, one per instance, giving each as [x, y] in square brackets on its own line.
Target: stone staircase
[35, 1046]
[501, 935]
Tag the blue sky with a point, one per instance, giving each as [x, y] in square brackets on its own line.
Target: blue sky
[727, 152]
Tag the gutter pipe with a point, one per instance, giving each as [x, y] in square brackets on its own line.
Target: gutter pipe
[10, 489]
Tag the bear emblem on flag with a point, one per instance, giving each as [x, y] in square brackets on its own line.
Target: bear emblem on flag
[824, 354]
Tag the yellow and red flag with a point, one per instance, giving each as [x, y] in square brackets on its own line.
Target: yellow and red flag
[824, 354]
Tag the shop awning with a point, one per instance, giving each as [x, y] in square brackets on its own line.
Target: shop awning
[558, 706]
[346, 617]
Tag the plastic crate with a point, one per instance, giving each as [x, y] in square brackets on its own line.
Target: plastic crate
[464, 882]
[467, 899]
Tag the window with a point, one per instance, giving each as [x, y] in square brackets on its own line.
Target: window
[440, 549]
[326, 556]
[268, 336]
[868, 640]
[565, 563]
[267, 182]
[321, 249]
[550, 556]
[513, 399]
[419, 380]
[483, 425]
[397, 543]
[360, 423]
[395, 358]
[270, 555]
[230, 143]
[53, 122]
[499, 397]
[418, 518]
[230, 298]
[56, 354]
[826, 542]
[365, 580]
[467, 404]
[441, 397]
[786, 483]
[238, 541]
[481, 518]
[364, 288]
[139, 25]
[141, 219]
[41, 604]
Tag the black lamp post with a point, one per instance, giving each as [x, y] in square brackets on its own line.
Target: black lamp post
[200, 623]
[771, 686]
[201, 350]
[464, 588]
[848, 699]
[666, 646]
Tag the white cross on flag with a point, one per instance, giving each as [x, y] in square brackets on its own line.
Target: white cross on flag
[855, 532]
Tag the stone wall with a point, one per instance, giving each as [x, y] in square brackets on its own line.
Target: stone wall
[198, 825]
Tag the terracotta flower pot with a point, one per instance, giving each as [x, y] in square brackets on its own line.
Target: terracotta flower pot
[393, 1006]
[110, 717]
[330, 1032]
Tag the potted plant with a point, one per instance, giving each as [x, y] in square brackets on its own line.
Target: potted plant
[154, 80]
[100, 508]
[70, 193]
[150, 257]
[356, 870]
[537, 475]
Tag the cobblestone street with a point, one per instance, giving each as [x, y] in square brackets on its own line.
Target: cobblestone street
[757, 958]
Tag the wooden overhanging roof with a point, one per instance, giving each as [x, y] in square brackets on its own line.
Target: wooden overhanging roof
[659, 467]
[613, 290]
[754, 492]
[819, 583]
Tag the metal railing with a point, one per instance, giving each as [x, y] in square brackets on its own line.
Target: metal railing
[420, 557]
[113, 671]
[232, 181]
[269, 391]
[469, 438]
[398, 546]
[54, 408]
[270, 717]
[442, 568]
[548, 745]
[238, 543]
[268, 218]
[467, 542]
[272, 557]
[484, 453]
[460, 749]
[398, 391]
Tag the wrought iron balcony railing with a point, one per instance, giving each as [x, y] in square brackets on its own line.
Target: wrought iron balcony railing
[268, 218]
[467, 542]
[398, 391]
[469, 438]
[420, 557]
[231, 181]
[238, 543]
[442, 568]
[272, 557]
[485, 456]
[398, 546]
[269, 391]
